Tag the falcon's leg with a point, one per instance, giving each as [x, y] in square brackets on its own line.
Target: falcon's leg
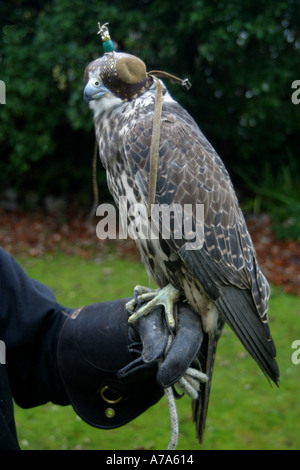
[167, 296]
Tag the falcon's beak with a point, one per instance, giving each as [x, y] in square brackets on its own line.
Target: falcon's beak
[93, 91]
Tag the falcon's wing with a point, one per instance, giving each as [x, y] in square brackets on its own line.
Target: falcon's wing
[191, 172]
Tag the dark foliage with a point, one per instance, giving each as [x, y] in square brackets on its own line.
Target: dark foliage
[241, 57]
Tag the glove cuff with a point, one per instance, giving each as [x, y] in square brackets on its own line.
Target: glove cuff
[92, 347]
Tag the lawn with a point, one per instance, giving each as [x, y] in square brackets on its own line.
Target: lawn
[245, 412]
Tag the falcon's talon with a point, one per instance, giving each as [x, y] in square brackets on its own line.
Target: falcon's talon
[139, 290]
[130, 306]
[167, 297]
[147, 296]
[138, 293]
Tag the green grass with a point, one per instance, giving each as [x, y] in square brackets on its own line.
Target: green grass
[245, 412]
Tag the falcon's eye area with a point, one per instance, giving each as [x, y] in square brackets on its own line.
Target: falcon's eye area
[94, 89]
[96, 82]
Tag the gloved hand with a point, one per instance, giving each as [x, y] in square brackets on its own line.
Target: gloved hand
[112, 372]
[172, 351]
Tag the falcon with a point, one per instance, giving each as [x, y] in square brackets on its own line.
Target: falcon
[221, 278]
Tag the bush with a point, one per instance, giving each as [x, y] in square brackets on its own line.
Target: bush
[241, 58]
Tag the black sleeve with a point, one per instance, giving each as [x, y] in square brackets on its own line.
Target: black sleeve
[30, 322]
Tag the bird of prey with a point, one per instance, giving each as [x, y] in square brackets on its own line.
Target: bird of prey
[221, 279]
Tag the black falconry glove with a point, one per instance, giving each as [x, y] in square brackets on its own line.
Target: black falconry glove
[173, 351]
[113, 372]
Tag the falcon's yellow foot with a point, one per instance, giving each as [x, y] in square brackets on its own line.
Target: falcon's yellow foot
[167, 297]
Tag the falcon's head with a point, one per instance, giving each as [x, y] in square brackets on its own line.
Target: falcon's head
[118, 75]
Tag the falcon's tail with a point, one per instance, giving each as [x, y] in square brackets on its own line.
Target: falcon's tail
[206, 357]
[238, 309]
